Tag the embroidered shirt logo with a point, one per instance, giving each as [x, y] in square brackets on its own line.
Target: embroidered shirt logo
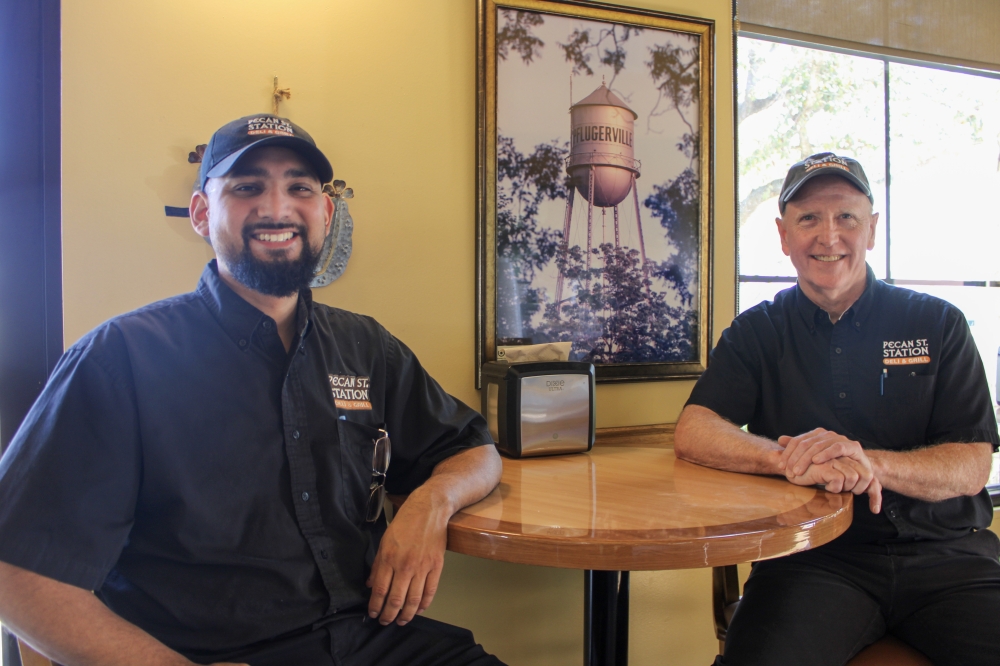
[836, 162]
[350, 392]
[268, 125]
[905, 352]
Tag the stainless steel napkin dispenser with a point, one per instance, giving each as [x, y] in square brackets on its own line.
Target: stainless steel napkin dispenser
[539, 408]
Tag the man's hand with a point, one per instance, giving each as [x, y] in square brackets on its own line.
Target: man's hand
[835, 478]
[407, 567]
[818, 446]
[842, 460]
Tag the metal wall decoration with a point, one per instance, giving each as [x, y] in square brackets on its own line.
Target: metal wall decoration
[594, 177]
[338, 245]
[196, 155]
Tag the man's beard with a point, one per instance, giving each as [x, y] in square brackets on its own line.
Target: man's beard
[275, 277]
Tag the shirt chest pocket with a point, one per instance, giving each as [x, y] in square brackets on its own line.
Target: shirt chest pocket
[905, 404]
[357, 441]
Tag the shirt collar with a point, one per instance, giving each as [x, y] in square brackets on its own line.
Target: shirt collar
[303, 314]
[236, 316]
[857, 313]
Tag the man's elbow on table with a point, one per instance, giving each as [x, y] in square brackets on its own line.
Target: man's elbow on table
[978, 466]
[982, 467]
[689, 435]
[492, 466]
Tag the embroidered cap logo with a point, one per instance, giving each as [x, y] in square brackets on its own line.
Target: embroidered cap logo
[269, 125]
[835, 162]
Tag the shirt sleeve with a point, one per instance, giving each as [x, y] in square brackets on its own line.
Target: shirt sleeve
[731, 385]
[425, 424]
[69, 479]
[962, 410]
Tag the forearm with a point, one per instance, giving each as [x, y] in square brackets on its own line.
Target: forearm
[704, 437]
[934, 473]
[72, 626]
[459, 481]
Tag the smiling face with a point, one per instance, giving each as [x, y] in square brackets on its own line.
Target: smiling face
[826, 230]
[266, 220]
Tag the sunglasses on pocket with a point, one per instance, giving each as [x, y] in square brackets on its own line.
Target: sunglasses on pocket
[380, 465]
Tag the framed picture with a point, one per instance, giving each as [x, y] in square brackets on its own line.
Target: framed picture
[595, 184]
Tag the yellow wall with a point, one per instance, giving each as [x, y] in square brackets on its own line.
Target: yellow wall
[387, 88]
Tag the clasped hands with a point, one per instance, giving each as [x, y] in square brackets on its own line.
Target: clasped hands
[821, 457]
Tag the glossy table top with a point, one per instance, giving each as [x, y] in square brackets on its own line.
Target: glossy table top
[630, 509]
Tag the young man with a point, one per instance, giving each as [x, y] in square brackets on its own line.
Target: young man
[212, 466]
[846, 381]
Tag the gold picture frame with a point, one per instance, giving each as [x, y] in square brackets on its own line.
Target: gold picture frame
[638, 147]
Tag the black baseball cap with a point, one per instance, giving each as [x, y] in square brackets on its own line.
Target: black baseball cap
[232, 140]
[822, 164]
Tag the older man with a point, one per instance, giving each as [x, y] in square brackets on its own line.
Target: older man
[213, 465]
[851, 383]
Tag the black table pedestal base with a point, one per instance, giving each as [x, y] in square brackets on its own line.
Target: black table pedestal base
[605, 618]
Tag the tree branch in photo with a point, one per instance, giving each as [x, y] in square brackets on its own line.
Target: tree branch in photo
[580, 46]
[675, 73]
[523, 248]
[516, 35]
[676, 204]
[621, 317]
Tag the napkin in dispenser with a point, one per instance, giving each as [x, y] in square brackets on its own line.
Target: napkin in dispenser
[537, 408]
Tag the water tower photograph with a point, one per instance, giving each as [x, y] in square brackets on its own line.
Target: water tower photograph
[595, 185]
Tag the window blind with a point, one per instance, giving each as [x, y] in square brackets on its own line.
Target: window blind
[962, 33]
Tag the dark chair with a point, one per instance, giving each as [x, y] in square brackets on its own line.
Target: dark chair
[887, 651]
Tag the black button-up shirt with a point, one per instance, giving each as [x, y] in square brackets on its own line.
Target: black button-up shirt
[210, 486]
[898, 371]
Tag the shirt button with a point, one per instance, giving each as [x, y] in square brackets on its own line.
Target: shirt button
[843, 395]
[266, 324]
[243, 343]
[305, 497]
[838, 350]
[858, 324]
[323, 554]
[892, 513]
[295, 435]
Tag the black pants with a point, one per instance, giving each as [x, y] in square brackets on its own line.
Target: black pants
[824, 606]
[354, 639]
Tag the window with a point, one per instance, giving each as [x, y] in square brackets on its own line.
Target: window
[929, 139]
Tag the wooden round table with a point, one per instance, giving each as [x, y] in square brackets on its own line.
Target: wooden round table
[620, 509]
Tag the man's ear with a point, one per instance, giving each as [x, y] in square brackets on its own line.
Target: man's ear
[781, 234]
[329, 208]
[871, 239]
[199, 213]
